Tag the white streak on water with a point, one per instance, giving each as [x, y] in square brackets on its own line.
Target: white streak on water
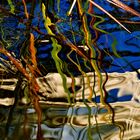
[51, 85]
[7, 101]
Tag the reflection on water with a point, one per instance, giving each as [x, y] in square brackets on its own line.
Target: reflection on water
[63, 122]
[71, 123]
[119, 85]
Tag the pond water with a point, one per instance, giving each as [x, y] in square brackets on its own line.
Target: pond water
[61, 122]
[79, 121]
[83, 64]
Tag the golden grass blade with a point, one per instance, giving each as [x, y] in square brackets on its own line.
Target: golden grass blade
[32, 51]
[15, 62]
[25, 9]
[99, 7]
[124, 7]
